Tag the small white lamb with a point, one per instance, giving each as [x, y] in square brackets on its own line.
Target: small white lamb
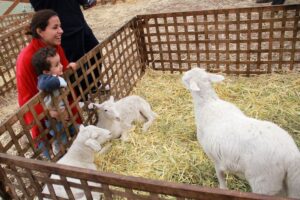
[118, 116]
[261, 151]
[81, 154]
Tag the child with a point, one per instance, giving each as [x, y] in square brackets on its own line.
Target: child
[49, 70]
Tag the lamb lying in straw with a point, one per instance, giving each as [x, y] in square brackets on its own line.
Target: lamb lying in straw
[81, 154]
[118, 116]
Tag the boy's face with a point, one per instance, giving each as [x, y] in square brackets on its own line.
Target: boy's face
[56, 67]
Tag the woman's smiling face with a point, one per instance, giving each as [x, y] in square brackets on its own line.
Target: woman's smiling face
[52, 33]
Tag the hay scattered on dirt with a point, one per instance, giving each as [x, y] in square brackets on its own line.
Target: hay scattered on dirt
[170, 151]
[8, 105]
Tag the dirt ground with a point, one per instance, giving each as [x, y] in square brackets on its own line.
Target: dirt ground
[105, 19]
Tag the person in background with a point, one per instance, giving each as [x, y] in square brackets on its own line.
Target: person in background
[274, 2]
[45, 28]
[78, 38]
[49, 70]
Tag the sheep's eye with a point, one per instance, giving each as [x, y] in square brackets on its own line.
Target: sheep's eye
[105, 110]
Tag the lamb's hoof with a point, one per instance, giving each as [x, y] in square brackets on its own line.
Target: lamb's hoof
[223, 187]
[106, 149]
[145, 128]
[125, 139]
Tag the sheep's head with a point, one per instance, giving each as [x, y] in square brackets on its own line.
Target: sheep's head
[197, 79]
[93, 136]
[107, 109]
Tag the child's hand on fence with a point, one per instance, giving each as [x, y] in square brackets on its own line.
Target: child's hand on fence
[53, 114]
[63, 112]
[72, 65]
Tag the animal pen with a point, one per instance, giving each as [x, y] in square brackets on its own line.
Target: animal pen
[244, 41]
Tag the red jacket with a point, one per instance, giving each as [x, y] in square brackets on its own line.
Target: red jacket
[27, 78]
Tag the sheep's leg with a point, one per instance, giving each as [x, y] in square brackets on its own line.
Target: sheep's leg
[150, 116]
[266, 184]
[105, 149]
[221, 177]
[125, 136]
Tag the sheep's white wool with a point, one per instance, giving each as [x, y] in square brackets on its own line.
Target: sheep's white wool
[118, 116]
[265, 154]
[81, 154]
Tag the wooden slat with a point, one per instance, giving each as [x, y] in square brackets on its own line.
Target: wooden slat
[11, 7]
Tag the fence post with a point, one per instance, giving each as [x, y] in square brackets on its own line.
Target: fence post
[141, 44]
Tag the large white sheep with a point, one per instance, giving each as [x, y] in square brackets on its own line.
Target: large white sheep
[118, 116]
[261, 151]
[81, 154]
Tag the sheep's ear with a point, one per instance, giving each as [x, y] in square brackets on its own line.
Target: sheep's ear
[215, 78]
[93, 144]
[111, 98]
[81, 127]
[94, 105]
[194, 86]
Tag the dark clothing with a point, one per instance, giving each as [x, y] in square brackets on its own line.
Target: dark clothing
[77, 38]
[278, 2]
[48, 83]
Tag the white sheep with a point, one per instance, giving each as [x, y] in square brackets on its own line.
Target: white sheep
[118, 116]
[81, 154]
[261, 151]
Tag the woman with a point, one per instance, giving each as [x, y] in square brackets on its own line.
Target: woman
[78, 37]
[46, 30]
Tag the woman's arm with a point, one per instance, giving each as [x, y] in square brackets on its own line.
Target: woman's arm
[39, 4]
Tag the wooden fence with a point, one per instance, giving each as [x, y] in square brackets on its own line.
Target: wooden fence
[240, 41]
[235, 41]
[11, 43]
[13, 21]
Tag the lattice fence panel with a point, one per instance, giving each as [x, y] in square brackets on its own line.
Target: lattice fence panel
[11, 43]
[240, 41]
[118, 62]
[28, 178]
[13, 21]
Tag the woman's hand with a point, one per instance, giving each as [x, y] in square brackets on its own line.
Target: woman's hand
[72, 65]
